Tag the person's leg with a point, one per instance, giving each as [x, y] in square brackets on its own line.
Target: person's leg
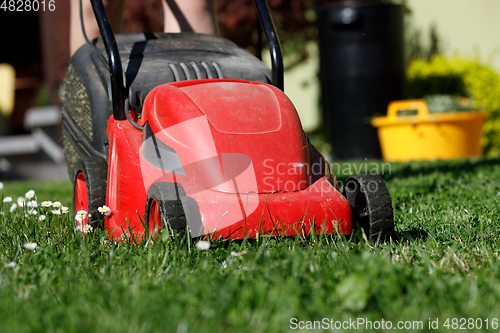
[179, 15]
[190, 16]
[114, 9]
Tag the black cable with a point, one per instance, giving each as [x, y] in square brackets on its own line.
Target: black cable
[127, 114]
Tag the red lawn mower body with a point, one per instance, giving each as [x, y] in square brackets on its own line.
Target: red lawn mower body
[248, 166]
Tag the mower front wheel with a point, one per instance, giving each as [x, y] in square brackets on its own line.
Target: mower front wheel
[89, 188]
[371, 206]
[164, 208]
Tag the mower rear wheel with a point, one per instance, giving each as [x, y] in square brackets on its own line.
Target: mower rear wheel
[89, 188]
[164, 208]
[371, 206]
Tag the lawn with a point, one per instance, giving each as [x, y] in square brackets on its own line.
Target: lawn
[443, 273]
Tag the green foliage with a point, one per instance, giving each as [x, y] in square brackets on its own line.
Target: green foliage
[462, 77]
[447, 103]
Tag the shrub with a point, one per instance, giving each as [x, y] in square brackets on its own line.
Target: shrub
[465, 77]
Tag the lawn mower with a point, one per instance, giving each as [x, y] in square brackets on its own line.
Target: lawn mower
[196, 134]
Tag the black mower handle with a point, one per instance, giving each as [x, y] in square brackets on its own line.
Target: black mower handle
[115, 64]
[273, 43]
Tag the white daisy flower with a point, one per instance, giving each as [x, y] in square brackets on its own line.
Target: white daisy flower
[80, 215]
[13, 207]
[238, 254]
[84, 229]
[30, 194]
[64, 209]
[32, 204]
[56, 204]
[7, 199]
[104, 210]
[10, 265]
[20, 201]
[56, 211]
[46, 204]
[203, 245]
[42, 218]
[30, 246]
[33, 212]
[87, 228]
[1, 186]
[1, 213]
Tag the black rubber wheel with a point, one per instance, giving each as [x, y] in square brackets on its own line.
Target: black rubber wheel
[164, 208]
[371, 206]
[90, 179]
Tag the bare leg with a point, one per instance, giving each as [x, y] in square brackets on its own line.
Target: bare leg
[190, 16]
[179, 15]
[114, 9]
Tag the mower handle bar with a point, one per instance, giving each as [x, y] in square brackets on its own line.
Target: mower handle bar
[272, 42]
[115, 65]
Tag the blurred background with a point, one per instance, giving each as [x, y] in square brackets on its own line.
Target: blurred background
[344, 61]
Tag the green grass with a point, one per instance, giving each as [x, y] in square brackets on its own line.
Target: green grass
[54, 191]
[446, 265]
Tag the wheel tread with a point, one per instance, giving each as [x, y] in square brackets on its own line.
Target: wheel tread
[95, 171]
[170, 197]
[363, 195]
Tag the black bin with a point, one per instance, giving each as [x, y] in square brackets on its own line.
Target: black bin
[361, 69]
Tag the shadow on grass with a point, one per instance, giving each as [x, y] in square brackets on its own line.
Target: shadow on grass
[454, 167]
[413, 234]
[389, 171]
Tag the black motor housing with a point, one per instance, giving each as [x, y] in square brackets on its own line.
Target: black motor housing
[148, 60]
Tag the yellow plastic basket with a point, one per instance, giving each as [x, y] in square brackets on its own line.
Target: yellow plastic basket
[427, 136]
